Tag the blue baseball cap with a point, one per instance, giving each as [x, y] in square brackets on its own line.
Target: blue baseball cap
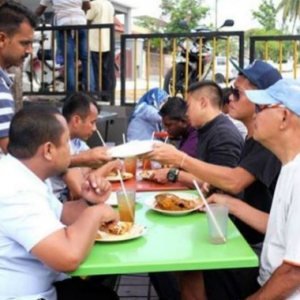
[260, 73]
[284, 91]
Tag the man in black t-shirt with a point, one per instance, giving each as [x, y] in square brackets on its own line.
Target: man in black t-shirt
[255, 177]
[219, 141]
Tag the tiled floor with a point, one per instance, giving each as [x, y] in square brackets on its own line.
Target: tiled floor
[135, 287]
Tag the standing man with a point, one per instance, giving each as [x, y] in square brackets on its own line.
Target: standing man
[102, 12]
[40, 238]
[71, 12]
[17, 25]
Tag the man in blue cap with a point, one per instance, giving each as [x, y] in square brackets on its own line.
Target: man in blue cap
[277, 127]
[254, 179]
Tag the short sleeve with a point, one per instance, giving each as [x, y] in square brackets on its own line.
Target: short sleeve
[91, 13]
[225, 148]
[28, 218]
[261, 163]
[291, 231]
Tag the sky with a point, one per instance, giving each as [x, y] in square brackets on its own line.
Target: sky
[238, 10]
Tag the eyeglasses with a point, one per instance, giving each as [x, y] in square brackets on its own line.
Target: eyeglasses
[260, 108]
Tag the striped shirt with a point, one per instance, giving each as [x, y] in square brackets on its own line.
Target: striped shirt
[67, 12]
[7, 104]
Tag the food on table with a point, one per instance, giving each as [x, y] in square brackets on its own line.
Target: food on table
[115, 176]
[147, 174]
[167, 201]
[119, 228]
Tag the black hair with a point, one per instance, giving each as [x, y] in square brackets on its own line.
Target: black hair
[78, 103]
[13, 14]
[226, 93]
[175, 108]
[31, 127]
[214, 90]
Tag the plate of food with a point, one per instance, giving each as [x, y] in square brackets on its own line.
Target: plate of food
[175, 203]
[146, 174]
[115, 177]
[122, 231]
[131, 149]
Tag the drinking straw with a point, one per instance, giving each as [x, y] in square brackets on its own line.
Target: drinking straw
[209, 211]
[101, 138]
[125, 194]
[124, 138]
[152, 136]
[166, 139]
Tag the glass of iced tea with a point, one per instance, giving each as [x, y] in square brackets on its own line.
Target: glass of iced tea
[130, 164]
[126, 205]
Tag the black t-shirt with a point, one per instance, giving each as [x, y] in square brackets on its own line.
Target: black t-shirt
[265, 166]
[219, 142]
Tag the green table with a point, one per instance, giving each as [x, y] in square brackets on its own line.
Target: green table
[172, 243]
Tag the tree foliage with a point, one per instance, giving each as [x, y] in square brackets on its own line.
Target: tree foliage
[269, 50]
[175, 11]
[266, 15]
[290, 11]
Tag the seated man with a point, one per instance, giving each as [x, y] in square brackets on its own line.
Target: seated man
[41, 238]
[81, 113]
[177, 125]
[219, 142]
[277, 127]
[255, 177]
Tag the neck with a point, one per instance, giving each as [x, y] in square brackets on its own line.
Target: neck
[211, 115]
[290, 149]
[36, 168]
[249, 123]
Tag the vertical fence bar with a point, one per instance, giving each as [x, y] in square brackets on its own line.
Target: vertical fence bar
[123, 69]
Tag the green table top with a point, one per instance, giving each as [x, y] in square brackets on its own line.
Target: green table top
[172, 243]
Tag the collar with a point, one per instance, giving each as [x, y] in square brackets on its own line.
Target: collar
[210, 124]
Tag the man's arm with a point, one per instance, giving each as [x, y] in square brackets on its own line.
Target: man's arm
[94, 157]
[3, 144]
[40, 10]
[231, 180]
[283, 282]
[86, 5]
[74, 178]
[253, 217]
[66, 248]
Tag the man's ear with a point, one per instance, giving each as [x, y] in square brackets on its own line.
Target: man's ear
[76, 119]
[47, 150]
[3, 38]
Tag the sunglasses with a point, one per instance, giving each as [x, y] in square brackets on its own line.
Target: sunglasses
[236, 93]
[260, 108]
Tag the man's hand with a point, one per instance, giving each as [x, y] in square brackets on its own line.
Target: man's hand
[108, 214]
[219, 198]
[99, 154]
[160, 175]
[165, 154]
[95, 188]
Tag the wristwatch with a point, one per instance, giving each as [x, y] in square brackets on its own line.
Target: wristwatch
[173, 175]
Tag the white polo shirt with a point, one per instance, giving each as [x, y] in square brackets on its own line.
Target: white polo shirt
[101, 12]
[67, 12]
[29, 213]
[58, 185]
[282, 242]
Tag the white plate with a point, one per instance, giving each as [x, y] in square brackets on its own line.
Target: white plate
[125, 176]
[135, 232]
[150, 202]
[131, 149]
[145, 174]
